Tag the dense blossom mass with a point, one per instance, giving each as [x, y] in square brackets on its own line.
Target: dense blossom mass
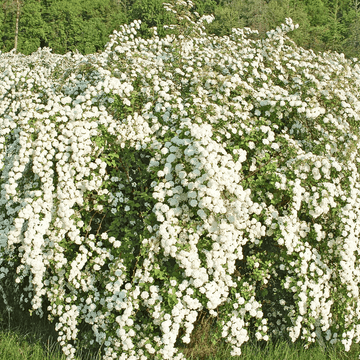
[167, 177]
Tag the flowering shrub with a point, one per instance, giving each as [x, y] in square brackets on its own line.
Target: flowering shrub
[167, 177]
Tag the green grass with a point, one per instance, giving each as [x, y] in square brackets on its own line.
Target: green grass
[25, 337]
[29, 338]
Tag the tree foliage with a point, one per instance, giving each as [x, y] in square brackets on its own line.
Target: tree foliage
[85, 25]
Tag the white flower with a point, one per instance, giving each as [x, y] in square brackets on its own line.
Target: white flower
[182, 174]
[170, 158]
[248, 307]
[201, 213]
[251, 145]
[66, 100]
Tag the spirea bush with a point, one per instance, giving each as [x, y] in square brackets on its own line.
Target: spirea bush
[165, 178]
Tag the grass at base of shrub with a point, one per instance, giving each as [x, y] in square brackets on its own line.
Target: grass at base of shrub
[25, 337]
[28, 337]
[201, 348]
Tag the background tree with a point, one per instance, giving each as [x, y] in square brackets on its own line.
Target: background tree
[352, 19]
[276, 11]
[318, 14]
[249, 13]
[226, 16]
[335, 34]
[18, 5]
[32, 27]
[11, 15]
[124, 6]
[85, 25]
[151, 13]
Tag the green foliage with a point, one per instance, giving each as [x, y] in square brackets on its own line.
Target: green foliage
[85, 25]
[31, 27]
[152, 14]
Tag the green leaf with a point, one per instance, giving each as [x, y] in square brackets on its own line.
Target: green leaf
[160, 274]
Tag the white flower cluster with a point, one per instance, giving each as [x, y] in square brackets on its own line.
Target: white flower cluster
[231, 176]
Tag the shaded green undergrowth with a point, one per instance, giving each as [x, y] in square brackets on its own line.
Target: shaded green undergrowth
[30, 338]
